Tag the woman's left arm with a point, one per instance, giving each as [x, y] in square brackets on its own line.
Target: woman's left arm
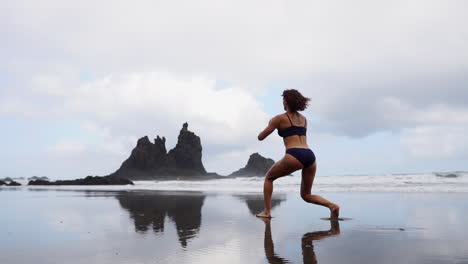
[272, 125]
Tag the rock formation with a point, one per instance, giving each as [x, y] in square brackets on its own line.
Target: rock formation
[446, 175]
[90, 180]
[9, 182]
[256, 166]
[187, 154]
[13, 183]
[33, 178]
[151, 160]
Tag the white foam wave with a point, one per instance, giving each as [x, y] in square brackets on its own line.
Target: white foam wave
[359, 183]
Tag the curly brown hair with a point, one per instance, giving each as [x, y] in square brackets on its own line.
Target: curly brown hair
[295, 100]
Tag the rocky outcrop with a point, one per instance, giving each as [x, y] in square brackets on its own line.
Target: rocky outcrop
[43, 178]
[90, 180]
[186, 157]
[151, 160]
[9, 182]
[256, 166]
[446, 175]
[13, 183]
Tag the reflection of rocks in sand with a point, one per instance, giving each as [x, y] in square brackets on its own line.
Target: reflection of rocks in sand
[255, 202]
[308, 253]
[149, 211]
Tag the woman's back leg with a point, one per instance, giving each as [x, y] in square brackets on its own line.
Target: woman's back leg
[308, 176]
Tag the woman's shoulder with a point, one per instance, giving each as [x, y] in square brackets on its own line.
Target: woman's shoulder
[280, 116]
[302, 119]
[284, 116]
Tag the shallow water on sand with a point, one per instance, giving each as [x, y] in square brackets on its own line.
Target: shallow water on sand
[65, 226]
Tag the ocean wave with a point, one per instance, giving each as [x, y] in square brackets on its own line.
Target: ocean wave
[429, 182]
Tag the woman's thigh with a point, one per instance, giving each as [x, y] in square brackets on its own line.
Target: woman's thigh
[308, 176]
[287, 165]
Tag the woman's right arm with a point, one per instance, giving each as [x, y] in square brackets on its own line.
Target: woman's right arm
[272, 125]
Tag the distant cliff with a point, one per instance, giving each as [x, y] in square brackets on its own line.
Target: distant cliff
[89, 180]
[152, 161]
[9, 182]
[256, 166]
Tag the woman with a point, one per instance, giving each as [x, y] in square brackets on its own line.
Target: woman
[292, 127]
[308, 252]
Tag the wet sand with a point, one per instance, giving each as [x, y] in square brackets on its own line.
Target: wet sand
[65, 226]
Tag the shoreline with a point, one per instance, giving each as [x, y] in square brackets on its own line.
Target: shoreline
[112, 226]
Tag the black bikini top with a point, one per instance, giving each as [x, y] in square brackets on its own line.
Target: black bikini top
[293, 130]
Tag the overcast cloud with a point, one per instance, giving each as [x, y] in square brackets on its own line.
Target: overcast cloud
[121, 70]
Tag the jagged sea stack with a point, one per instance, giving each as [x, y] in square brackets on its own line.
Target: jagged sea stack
[151, 160]
[186, 157]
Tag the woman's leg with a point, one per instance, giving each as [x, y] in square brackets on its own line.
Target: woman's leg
[308, 175]
[287, 165]
[269, 246]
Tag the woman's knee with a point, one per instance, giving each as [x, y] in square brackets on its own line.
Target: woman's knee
[270, 176]
[305, 195]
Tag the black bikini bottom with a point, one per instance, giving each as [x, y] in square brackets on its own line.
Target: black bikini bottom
[304, 155]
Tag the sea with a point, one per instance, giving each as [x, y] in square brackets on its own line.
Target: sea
[395, 218]
[406, 182]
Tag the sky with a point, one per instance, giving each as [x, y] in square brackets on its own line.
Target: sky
[81, 81]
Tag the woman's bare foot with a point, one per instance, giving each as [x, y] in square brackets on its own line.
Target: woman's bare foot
[264, 215]
[334, 211]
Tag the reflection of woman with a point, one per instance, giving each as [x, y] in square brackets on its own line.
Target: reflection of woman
[292, 127]
[270, 247]
[308, 253]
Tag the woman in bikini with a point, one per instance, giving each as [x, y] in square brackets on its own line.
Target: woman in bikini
[292, 127]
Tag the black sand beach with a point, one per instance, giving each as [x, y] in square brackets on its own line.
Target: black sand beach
[64, 226]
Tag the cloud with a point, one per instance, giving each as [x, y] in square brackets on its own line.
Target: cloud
[119, 108]
[145, 68]
[230, 40]
[436, 142]
[76, 148]
[358, 54]
[361, 104]
[160, 101]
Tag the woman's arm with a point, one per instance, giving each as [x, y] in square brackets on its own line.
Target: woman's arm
[272, 125]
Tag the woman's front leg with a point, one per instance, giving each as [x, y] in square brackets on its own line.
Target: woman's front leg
[287, 165]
